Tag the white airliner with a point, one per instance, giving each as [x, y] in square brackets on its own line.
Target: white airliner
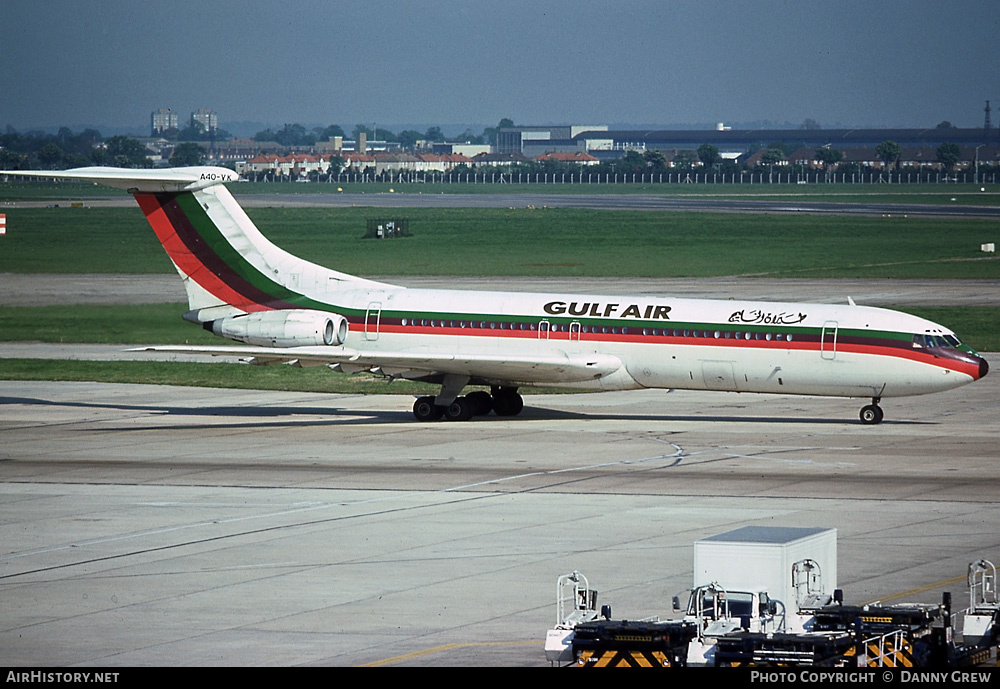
[287, 310]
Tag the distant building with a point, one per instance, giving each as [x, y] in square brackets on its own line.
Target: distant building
[443, 162]
[534, 141]
[608, 144]
[466, 150]
[161, 120]
[207, 119]
[498, 159]
[576, 157]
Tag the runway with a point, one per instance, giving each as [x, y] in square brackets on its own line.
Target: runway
[784, 202]
[146, 525]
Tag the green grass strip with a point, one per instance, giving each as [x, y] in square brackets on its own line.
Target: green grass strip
[534, 242]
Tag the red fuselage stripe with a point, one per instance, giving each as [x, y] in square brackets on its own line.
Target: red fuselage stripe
[922, 356]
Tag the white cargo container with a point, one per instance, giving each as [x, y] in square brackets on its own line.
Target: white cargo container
[790, 563]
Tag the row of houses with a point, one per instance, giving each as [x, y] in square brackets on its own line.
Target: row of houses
[305, 164]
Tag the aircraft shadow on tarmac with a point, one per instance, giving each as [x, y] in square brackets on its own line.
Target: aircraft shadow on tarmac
[282, 416]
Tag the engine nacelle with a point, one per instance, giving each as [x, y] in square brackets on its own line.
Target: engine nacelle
[298, 328]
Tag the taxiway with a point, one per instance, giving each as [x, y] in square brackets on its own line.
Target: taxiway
[147, 525]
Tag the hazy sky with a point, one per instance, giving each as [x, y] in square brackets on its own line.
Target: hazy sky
[909, 63]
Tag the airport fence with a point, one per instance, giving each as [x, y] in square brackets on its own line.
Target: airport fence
[656, 178]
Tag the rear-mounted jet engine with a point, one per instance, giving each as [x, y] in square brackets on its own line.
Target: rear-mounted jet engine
[299, 328]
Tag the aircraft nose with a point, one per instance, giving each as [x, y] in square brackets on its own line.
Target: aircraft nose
[984, 367]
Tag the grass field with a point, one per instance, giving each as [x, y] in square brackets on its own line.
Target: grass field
[216, 375]
[541, 241]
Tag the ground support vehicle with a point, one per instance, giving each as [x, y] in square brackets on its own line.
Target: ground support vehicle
[745, 626]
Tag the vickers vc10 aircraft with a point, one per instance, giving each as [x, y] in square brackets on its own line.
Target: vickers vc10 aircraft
[287, 310]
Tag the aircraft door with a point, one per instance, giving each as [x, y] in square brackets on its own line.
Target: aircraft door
[718, 375]
[828, 341]
[543, 329]
[373, 316]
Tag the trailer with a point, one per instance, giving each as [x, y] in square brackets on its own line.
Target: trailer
[761, 599]
[795, 566]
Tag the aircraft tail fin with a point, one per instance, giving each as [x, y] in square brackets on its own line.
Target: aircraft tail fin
[226, 264]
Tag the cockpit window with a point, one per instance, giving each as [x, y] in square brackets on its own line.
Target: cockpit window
[950, 341]
[927, 341]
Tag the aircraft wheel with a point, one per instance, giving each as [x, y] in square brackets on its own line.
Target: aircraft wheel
[508, 404]
[459, 410]
[425, 409]
[871, 414]
[481, 401]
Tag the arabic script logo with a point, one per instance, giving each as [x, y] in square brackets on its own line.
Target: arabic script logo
[759, 317]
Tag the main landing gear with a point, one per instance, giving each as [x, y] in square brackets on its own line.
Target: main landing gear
[872, 414]
[500, 400]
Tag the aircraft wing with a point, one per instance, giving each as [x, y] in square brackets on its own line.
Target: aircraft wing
[555, 368]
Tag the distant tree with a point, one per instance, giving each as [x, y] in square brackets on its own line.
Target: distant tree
[948, 154]
[469, 137]
[632, 161]
[730, 167]
[888, 152]
[945, 125]
[337, 163]
[810, 123]
[12, 160]
[490, 133]
[708, 155]
[655, 160]
[124, 151]
[195, 131]
[51, 156]
[787, 149]
[772, 157]
[327, 133]
[76, 160]
[828, 156]
[99, 156]
[187, 154]
[408, 138]
[361, 129]
[684, 160]
[290, 135]
[83, 143]
[434, 134]
[295, 135]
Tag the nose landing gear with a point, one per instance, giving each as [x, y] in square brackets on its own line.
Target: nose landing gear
[872, 414]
